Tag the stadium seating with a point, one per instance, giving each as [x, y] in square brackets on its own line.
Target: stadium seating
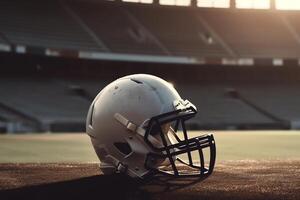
[2, 41]
[57, 103]
[60, 105]
[42, 24]
[13, 121]
[259, 34]
[216, 109]
[47, 101]
[115, 26]
[282, 100]
[135, 29]
[179, 31]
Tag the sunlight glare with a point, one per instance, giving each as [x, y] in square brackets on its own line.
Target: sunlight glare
[288, 5]
[175, 2]
[213, 3]
[251, 4]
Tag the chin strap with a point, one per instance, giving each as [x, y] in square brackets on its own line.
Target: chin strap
[136, 129]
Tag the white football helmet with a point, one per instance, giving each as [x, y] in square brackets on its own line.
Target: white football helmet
[133, 125]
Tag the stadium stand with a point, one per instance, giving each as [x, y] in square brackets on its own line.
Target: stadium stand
[218, 110]
[61, 105]
[42, 24]
[4, 44]
[121, 32]
[92, 87]
[291, 20]
[2, 41]
[14, 121]
[282, 100]
[254, 33]
[57, 96]
[179, 31]
[46, 101]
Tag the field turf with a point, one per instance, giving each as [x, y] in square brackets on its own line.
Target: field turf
[250, 165]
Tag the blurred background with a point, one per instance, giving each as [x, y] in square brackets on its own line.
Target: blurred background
[236, 60]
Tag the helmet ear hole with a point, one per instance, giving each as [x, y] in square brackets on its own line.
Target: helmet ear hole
[123, 147]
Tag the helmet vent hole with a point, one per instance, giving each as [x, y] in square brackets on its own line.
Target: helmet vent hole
[137, 81]
[123, 147]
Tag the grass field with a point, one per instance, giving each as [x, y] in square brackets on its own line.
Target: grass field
[231, 145]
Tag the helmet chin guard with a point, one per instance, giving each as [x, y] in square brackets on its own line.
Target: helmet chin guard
[171, 152]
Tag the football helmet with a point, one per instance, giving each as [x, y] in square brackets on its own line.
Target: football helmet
[137, 127]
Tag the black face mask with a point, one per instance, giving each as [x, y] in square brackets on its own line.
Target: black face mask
[179, 145]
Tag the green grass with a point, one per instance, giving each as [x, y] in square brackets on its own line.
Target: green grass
[231, 145]
[258, 145]
[46, 148]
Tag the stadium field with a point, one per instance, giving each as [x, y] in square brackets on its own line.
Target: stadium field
[67, 147]
[252, 165]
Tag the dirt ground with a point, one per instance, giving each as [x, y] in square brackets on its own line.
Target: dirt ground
[231, 180]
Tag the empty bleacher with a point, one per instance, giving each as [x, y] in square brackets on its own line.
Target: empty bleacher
[125, 28]
[42, 24]
[253, 33]
[60, 103]
[117, 28]
[179, 31]
[217, 110]
[292, 21]
[55, 104]
[2, 41]
[14, 121]
[280, 99]
[47, 101]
